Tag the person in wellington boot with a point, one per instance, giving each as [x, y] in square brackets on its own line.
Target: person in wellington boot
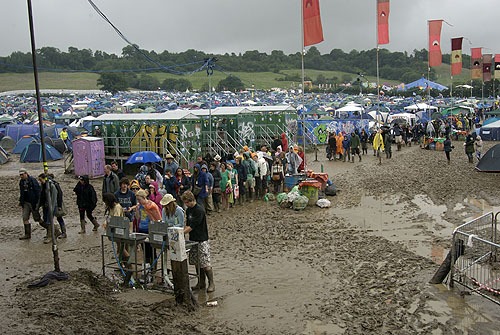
[28, 201]
[86, 200]
[196, 226]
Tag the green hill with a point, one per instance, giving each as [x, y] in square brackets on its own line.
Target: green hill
[88, 81]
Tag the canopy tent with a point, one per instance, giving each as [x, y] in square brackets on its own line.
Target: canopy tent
[420, 107]
[423, 83]
[490, 162]
[457, 110]
[403, 118]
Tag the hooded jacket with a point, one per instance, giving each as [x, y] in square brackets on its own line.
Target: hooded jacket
[201, 180]
[85, 194]
[155, 196]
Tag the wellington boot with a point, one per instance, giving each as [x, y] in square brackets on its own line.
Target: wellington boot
[48, 239]
[46, 227]
[27, 232]
[96, 225]
[82, 227]
[63, 231]
[210, 276]
[201, 285]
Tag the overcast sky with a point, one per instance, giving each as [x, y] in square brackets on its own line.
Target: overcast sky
[226, 26]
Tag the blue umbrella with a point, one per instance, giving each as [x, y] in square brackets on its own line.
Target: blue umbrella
[143, 157]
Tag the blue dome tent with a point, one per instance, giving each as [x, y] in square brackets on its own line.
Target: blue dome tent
[33, 153]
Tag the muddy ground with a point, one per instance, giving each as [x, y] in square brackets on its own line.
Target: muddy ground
[359, 267]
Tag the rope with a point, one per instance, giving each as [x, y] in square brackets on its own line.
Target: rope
[486, 286]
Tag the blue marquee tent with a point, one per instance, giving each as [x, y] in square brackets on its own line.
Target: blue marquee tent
[424, 84]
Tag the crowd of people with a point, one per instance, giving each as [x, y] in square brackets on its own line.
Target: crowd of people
[178, 197]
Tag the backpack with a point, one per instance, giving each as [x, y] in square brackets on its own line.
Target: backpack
[59, 193]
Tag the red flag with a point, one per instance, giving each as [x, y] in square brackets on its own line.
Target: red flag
[456, 55]
[435, 55]
[476, 69]
[313, 31]
[383, 21]
[487, 67]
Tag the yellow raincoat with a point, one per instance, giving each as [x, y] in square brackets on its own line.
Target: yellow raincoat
[378, 142]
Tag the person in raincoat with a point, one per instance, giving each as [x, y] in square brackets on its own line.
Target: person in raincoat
[338, 141]
[378, 145]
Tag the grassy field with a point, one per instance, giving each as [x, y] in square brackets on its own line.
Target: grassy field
[261, 80]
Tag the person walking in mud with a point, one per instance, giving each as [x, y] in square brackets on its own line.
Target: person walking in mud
[378, 145]
[469, 147]
[28, 201]
[110, 182]
[447, 148]
[86, 200]
[196, 226]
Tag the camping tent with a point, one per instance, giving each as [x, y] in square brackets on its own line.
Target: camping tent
[33, 153]
[490, 162]
[490, 132]
[423, 83]
[3, 156]
[23, 142]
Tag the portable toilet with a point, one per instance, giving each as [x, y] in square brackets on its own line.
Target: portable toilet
[88, 153]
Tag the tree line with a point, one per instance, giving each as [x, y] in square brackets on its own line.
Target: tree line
[131, 67]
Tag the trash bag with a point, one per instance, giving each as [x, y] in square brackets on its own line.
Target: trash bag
[323, 203]
[331, 190]
[300, 203]
[282, 197]
[270, 197]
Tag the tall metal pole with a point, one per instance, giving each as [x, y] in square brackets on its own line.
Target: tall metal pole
[55, 251]
[210, 70]
[302, 52]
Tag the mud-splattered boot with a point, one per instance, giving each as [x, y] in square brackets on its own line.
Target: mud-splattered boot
[82, 227]
[210, 276]
[27, 232]
[201, 285]
[96, 225]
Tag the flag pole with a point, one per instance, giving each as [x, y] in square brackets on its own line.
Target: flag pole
[302, 51]
[378, 69]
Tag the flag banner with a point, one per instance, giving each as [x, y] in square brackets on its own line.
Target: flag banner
[476, 66]
[487, 67]
[313, 31]
[497, 67]
[435, 55]
[456, 56]
[383, 21]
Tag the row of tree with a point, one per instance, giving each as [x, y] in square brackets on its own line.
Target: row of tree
[400, 66]
[131, 68]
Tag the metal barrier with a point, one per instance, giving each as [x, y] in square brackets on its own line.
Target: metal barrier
[476, 267]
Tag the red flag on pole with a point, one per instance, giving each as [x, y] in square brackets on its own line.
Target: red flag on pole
[383, 21]
[435, 55]
[487, 67]
[313, 31]
[456, 55]
[476, 69]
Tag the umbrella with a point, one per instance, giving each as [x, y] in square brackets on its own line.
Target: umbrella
[143, 157]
